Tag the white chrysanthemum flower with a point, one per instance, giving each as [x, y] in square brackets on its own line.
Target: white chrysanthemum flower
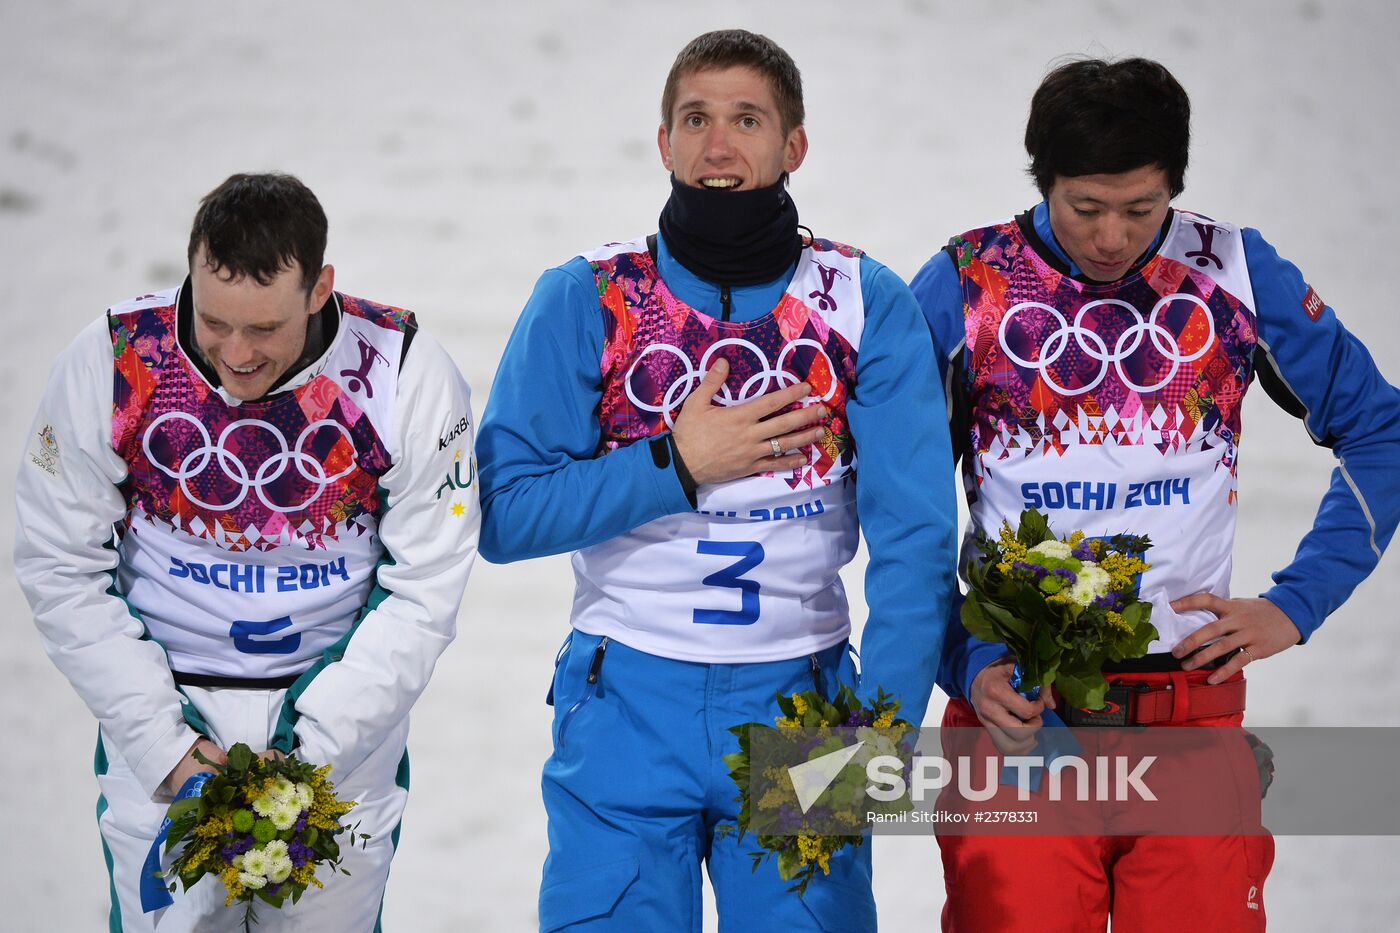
[304, 796]
[283, 789]
[284, 815]
[280, 870]
[1092, 583]
[255, 862]
[265, 804]
[1056, 549]
[238, 861]
[1097, 578]
[1081, 593]
[250, 880]
[276, 849]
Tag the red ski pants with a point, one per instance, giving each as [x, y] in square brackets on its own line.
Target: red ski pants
[1075, 884]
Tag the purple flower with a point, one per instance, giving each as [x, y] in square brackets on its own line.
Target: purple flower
[1113, 602]
[273, 888]
[1069, 576]
[788, 820]
[300, 823]
[1036, 569]
[1082, 551]
[236, 847]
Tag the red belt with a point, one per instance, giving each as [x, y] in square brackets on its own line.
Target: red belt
[1169, 697]
[1181, 701]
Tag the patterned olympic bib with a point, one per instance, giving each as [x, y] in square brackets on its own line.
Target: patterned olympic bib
[249, 542]
[752, 574]
[1112, 407]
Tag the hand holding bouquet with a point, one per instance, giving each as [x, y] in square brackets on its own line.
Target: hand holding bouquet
[262, 826]
[1063, 607]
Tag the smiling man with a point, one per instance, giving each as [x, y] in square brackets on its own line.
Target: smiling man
[283, 468]
[687, 412]
[1097, 349]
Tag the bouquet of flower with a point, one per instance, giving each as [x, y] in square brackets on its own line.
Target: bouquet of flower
[1063, 607]
[789, 822]
[262, 826]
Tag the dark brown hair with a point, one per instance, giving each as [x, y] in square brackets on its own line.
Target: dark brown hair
[259, 226]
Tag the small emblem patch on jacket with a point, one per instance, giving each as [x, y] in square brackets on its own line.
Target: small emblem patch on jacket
[43, 451]
[1313, 304]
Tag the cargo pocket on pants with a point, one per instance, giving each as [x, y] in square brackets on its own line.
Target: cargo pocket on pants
[585, 895]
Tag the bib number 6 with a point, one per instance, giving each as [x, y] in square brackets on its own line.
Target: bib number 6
[252, 637]
[750, 555]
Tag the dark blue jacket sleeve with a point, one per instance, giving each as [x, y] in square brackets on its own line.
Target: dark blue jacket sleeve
[904, 495]
[939, 293]
[1320, 372]
[544, 490]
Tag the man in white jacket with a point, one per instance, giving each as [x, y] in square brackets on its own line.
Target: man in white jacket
[246, 513]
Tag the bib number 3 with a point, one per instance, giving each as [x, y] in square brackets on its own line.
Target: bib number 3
[750, 555]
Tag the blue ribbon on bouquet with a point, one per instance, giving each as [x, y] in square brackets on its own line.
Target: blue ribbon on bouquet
[154, 893]
[1052, 741]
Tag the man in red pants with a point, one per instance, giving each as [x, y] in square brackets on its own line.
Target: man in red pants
[1096, 351]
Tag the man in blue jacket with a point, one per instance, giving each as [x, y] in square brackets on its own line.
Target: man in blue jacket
[1098, 349]
[686, 412]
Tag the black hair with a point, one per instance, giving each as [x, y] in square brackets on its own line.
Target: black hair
[730, 48]
[259, 226]
[1091, 117]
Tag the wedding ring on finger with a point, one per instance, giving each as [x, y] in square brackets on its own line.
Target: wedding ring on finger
[777, 448]
[1248, 654]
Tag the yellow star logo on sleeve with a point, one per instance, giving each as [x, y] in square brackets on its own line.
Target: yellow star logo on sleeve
[458, 509]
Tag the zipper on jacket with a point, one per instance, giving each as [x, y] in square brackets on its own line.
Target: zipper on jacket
[724, 303]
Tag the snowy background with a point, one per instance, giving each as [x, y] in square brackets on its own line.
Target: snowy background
[459, 149]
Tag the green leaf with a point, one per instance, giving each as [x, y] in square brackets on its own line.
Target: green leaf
[1034, 528]
[1034, 610]
[182, 809]
[1082, 689]
[198, 756]
[975, 620]
[1046, 648]
[789, 863]
[1010, 628]
[240, 757]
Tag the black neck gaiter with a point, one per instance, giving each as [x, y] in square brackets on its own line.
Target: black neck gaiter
[732, 237]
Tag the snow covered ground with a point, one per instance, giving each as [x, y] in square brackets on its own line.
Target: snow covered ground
[460, 149]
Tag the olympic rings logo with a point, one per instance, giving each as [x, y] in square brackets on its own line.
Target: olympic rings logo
[1093, 346]
[194, 463]
[766, 377]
